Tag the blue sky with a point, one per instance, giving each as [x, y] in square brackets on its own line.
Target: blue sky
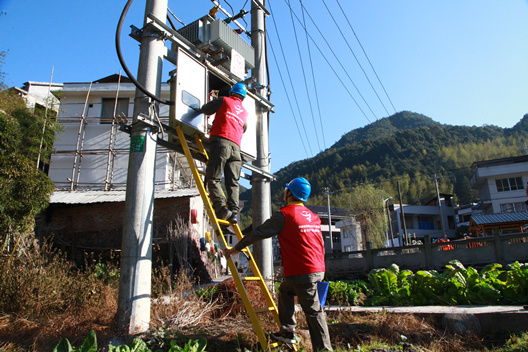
[460, 62]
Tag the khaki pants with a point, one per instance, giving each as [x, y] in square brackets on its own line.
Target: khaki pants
[224, 157]
[305, 288]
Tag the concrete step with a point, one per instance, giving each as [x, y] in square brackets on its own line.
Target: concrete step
[478, 319]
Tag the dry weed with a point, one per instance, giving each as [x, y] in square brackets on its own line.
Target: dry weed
[359, 329]
[44, 298]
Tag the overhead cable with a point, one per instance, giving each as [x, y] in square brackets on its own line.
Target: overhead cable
[122, 61]
[290, 79]
[304, 77]
[355, 57]
[316, 94]
[288, 98]
[364, 52]
[337, 59]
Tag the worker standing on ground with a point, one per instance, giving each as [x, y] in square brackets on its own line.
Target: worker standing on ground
[302, 253]
[224, 156]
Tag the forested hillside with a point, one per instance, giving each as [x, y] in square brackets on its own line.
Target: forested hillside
[409, 149]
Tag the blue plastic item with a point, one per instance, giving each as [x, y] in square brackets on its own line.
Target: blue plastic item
[322, 291]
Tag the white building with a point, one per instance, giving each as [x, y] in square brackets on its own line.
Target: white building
[501, 184]
[351, 236]
[423, 220]
[40, 95]
[91, 152]
[89, 169]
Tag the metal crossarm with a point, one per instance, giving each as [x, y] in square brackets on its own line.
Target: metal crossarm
[217, 226]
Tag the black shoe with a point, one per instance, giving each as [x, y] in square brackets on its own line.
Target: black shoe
[223, 213]
[284, 336]
[233, 218]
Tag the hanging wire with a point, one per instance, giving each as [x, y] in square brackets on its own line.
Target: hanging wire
[355, 57]
[403, 158]
[333, 70]
[313, 80]
[304, 77]
[287, 97]
[338, 60]
[290, 80]
[364, 52]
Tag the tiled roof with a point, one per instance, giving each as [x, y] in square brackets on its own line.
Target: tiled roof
[481, 219]
[101, 196]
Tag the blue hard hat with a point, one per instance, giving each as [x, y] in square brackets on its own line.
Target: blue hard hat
[239, 88]
[300, 188]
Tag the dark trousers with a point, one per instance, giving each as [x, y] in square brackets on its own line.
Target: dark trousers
[224, 157]
[305, 288]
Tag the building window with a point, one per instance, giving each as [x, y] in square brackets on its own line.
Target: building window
[425, 223]
[513, 207]
[107, 112]
[509, 184]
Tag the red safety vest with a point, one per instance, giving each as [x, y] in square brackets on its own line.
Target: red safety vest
[230, 119]
[301, 241]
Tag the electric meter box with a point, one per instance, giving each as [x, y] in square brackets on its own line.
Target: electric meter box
[195, 85]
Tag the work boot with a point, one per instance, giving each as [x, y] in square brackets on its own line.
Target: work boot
[223, 213]
[284, 336]
[233, 218]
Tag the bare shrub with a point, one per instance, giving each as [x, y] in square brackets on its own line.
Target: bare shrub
[44, 297]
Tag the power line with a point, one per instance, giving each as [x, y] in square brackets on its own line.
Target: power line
[331, 67]
[336, 57]
[313, 80]
[304, 77]
[290, 79]
[355, 57]
[364, 52]
[333, 70]
[287, 96]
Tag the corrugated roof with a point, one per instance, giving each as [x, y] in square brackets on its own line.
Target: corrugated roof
[481, 219]
[101, 196]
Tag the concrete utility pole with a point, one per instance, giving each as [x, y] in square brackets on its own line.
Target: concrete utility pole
[439, 205]
[389, 227]
[133, 311]
[403, 216]
[261, 194]
[328, 193]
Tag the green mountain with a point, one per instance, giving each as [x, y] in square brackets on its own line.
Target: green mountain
[386, 127]
[406, 149]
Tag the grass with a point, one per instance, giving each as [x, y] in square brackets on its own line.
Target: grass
[44, 298]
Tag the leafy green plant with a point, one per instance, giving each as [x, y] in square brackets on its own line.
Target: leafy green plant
[391, 286]
[104, 273]
[516, 343]
[136, 345]
[191, 346]
[456, 285]
[89, 344]
[347, 291]
[206, 292]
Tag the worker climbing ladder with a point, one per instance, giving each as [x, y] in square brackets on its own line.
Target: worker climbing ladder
[200, 153]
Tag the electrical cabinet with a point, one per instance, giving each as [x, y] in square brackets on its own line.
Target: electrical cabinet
[193, 86]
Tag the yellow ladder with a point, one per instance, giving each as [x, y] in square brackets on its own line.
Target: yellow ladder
[217, 226]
